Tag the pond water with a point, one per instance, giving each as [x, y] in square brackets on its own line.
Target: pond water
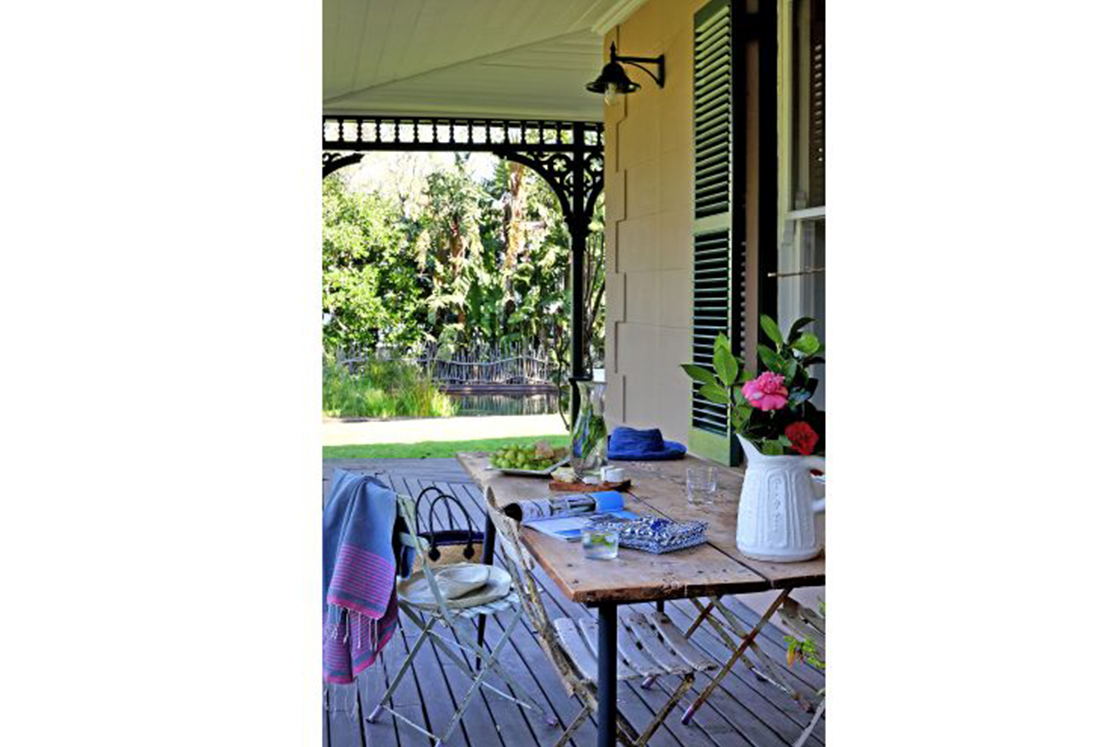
[506, 404]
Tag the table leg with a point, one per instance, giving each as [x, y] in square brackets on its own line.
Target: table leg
[487, 559]
[608, 675]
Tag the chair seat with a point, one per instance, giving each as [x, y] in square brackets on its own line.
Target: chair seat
[495, 596]
[649, 644]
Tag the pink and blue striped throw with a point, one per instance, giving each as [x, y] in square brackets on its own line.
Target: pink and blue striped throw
[359, 574]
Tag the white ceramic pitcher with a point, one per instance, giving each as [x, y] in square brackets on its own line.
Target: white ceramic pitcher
[778, 507]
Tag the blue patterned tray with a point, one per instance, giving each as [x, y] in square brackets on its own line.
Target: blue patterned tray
[652, 534]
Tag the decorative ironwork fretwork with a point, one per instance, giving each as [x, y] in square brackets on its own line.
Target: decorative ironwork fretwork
[568, 155]
[561, 152]
[560, 171]
[332, 162]
[426, 133]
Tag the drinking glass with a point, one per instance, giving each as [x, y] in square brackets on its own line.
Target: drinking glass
[702, 483]
[600, 544]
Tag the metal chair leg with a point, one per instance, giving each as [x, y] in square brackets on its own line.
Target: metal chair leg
[688, 714]
[424, 632]
[570, 732]
[659, 719]
[473, 689]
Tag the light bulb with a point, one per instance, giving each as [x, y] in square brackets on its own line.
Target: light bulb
[611, 94]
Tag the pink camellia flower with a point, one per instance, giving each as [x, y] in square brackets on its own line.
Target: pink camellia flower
[767, 392]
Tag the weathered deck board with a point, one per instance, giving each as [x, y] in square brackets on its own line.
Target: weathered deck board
[743, 711]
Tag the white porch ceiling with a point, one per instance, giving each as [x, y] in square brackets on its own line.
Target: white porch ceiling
[497, 58]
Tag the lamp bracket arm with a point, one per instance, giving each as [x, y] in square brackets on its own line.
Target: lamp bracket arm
[658, 78]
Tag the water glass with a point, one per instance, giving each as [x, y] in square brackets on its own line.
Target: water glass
[702, 483]
[600, 544]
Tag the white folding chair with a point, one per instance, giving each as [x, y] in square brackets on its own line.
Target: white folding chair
[649, 645]
[460, 649]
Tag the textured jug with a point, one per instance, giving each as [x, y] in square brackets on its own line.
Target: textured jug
[778, 507]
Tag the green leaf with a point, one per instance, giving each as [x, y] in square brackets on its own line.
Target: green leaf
[772, 447]
[771, 359]
[739, 417]
[699, 373]
[770, 327]
[726, 367]
[790, 370]
[807, 344]
[796, 326]
[715, 394]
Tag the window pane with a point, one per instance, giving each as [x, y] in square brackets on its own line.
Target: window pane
[808, 105]
[802, 294]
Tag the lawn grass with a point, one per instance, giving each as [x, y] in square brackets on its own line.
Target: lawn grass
[433, 449]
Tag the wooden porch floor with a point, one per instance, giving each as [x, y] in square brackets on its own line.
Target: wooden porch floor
[742, 711]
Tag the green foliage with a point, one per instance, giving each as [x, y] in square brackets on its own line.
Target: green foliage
[435, 449]
[370, 289]
[791, 356]
[454, 261]
[805, 650]
[388, 389]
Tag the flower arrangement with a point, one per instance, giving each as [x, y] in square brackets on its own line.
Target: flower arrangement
[771, 410]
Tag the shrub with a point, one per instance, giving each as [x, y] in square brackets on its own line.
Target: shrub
[382, 389]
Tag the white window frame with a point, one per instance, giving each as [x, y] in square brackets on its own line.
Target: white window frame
[794, 218]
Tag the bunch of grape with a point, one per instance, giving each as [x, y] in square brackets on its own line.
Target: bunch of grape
[520, 457]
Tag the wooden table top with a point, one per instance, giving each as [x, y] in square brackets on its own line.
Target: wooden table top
[713, 568]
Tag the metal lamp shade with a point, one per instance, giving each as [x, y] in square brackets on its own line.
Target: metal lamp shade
[613, 73]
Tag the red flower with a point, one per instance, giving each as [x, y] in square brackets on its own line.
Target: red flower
[802, 437]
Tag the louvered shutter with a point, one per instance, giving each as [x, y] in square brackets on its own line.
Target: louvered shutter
[816, 105]
[718, 228]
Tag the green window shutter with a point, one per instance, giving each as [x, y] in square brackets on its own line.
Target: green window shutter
[719, 217]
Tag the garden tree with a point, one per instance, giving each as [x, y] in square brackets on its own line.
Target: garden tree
[370, 289]
[512, 174]
[454, 258]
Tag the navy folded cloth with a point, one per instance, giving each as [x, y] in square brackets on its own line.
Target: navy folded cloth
[642, 445]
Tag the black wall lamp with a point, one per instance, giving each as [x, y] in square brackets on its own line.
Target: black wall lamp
[613, 80]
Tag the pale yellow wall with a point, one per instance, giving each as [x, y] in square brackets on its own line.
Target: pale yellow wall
[648, 192]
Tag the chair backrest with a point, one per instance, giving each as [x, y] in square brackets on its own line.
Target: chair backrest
[520, 565]
[411, 538]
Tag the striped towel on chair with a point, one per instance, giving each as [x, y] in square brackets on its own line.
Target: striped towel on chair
[359, 574]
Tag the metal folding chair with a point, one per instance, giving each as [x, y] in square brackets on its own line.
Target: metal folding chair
[431, 619]
[648, 645]
[742, 643]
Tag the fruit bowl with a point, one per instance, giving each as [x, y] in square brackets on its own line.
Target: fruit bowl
[538, 460]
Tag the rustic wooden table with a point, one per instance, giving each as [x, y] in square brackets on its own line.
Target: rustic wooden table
[712, 569]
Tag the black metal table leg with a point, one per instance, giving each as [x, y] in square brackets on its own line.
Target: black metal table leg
[608, 675]
[487, 559]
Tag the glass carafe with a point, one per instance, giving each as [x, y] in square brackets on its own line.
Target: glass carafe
[589, 436]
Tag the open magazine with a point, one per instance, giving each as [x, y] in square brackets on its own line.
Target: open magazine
[564, 517]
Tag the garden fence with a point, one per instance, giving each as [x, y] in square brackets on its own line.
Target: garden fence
[473, 365]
